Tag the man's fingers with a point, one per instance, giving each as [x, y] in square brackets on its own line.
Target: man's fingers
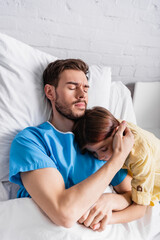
[97, 219]
[122, 127]
[103, 224]
[96, 226]
[128, 132]
[92, 214]
[84, 217]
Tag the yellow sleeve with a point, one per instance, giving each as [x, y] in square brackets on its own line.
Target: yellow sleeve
[141, 164]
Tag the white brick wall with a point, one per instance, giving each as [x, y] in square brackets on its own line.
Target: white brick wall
[124, 34]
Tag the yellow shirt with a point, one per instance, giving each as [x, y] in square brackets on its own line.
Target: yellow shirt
[144, 164]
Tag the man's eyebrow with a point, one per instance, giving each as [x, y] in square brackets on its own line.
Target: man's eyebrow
[75, 83]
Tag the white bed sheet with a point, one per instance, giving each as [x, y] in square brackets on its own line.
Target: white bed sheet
[22, 219]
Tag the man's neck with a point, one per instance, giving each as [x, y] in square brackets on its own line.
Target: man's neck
[62, 124]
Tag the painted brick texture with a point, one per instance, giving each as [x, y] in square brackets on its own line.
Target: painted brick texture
[123, 34]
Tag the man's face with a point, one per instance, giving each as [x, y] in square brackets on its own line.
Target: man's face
[71, 94]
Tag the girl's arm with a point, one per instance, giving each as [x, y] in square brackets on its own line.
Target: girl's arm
[131, 213]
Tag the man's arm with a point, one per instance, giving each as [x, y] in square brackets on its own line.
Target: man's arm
[65, 206]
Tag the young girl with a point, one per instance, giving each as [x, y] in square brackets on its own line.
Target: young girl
[94, 132]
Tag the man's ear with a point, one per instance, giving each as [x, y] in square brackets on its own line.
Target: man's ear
[50, 92]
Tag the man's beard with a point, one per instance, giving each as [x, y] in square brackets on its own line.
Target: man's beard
[66, 111]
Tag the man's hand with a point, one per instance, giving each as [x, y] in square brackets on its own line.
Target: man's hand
[99, 215]
[122, 142]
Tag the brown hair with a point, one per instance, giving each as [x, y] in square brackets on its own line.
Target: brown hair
[52, 73]
[96, 125]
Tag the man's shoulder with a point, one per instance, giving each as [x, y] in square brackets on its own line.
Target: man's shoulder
[31, 131]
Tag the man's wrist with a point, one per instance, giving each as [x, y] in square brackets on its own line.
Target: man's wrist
[116, 161]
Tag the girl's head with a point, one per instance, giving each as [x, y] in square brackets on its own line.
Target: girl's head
[94, 132]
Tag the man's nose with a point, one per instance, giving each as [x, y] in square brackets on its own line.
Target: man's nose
[80, 92]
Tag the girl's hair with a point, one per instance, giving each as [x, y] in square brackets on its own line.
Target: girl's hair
[52, 73]
[96, 125]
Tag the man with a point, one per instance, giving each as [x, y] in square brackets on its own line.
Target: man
[46, 161]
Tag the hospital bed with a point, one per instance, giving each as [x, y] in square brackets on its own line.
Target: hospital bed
[22, 104]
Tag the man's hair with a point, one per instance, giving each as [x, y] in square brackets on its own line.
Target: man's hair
[94, 126]
[52, 73]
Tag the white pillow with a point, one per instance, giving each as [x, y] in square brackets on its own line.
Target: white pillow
[22, 99]
[100, 82]
[120, 102]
